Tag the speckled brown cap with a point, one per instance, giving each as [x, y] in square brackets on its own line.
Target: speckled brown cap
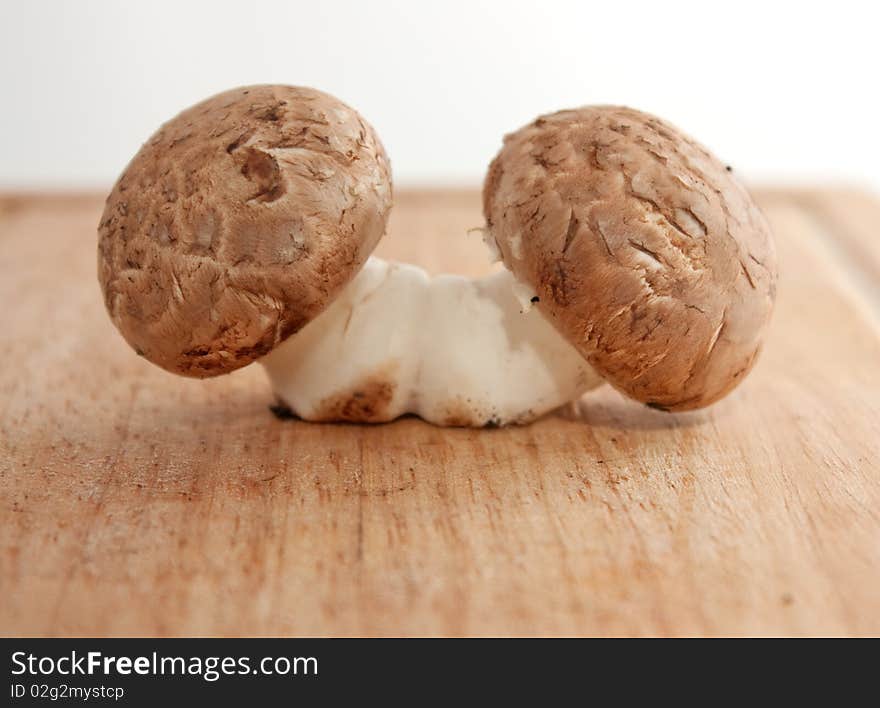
[647, 254]
[237, 222]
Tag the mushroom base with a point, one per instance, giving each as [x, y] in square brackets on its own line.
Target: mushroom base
[452, 350]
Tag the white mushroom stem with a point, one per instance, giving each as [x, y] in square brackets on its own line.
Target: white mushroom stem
[449, 349]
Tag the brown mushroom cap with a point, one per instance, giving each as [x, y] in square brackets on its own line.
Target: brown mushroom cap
[646, 253]
[237, 222]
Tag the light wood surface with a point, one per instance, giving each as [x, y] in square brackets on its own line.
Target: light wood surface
[135, 502]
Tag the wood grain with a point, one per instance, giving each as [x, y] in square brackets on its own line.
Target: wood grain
[134, 502]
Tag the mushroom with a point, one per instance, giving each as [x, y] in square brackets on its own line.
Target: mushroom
[237, 222]
[648, 255]
[242, 231]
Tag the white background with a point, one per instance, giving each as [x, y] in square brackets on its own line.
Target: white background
[784, 92]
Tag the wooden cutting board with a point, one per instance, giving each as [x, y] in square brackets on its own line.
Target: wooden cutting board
[135, 502]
